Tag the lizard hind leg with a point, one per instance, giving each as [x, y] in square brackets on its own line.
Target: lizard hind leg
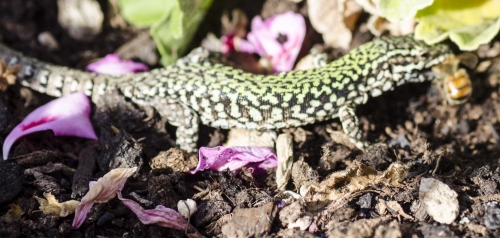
[350, 124]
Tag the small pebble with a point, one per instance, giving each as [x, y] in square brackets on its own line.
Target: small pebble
[492, 216]
[439, 200]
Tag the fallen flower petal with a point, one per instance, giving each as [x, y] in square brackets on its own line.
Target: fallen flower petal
[233, 158]
[278, 38]
[111, 64]
[65, 116]
[13, 214]
[54, 207]
[161, 216]
[101, 191]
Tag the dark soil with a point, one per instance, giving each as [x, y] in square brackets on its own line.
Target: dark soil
[458, 145]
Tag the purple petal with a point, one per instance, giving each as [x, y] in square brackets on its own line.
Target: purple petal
[111, 64]
[81, 212]
[161, 216]
[264, 36]
[263, 39]
[246, 47]
[233, 158]
[227, 44]
[101, 191]
[66, 116]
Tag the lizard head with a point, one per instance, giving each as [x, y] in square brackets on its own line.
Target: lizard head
[410, 59]
[406, 51]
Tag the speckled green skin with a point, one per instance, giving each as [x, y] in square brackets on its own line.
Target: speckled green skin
[193, 89]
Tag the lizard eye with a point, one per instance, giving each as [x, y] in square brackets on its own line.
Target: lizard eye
[424, 54]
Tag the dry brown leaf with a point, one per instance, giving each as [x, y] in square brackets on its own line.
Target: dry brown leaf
[13, 214]
[335, 19]
[381, 207]
[7, 75]
[395, 207]
[50, 205]
[284, 152]
[378, 25]
[359, 228]
[356, 177]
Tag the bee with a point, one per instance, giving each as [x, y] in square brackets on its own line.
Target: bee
[457, 87]
[455, 83]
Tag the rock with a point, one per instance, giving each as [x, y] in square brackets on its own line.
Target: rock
[82, 19]
[439, 200]
[492, 216]
[251, 222]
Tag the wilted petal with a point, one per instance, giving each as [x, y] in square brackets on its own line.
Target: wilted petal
[161, 216]
[66, 116]
[233, 158]
[111, 64]
[101, 191]
[13, 214]
[54, 207]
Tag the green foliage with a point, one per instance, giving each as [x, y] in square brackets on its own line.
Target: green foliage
[467, 23]
[173, 22]
[143, 13]
[400, 10]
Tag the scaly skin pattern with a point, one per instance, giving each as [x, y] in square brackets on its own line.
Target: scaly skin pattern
[194, 90]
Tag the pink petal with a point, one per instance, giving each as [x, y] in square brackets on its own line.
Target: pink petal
[227, 44]
[102, 191]
[265, 45]
[246, 47]
[81, 212]
[112, 64]
[233, 158]
[161, 216]
[264, 37]
[65, 116]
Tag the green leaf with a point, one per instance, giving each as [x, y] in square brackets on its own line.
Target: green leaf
[173, 22]
[174, 31]
[143, 13]
[467, 23]
[470, 38]
[176, 23]
[400, 10]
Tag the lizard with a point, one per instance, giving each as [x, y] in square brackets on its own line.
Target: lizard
[195, 90]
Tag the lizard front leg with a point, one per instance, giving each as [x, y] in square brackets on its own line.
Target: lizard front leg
[350, 124]
[183, 117]
[347, 115]
[187, 131]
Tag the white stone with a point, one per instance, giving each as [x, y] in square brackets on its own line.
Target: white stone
[439, 200]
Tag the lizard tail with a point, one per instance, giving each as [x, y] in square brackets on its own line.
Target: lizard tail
[56, 80]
